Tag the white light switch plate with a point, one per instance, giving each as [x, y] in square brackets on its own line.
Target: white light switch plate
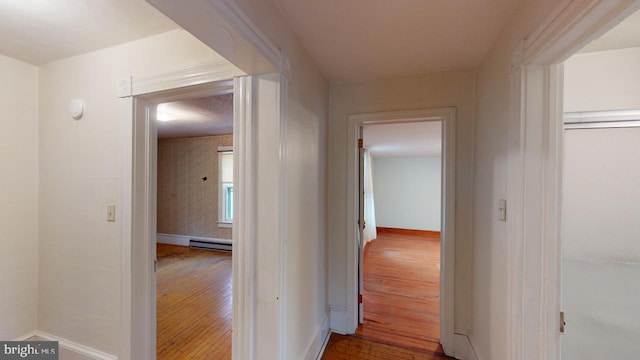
[111, 212]
[502, 210]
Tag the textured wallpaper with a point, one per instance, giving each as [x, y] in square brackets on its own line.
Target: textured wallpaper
[187, 204]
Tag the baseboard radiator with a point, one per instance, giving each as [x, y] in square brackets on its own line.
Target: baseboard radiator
[209, 245]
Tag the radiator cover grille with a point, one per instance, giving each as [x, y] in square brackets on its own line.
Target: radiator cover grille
[209, 245]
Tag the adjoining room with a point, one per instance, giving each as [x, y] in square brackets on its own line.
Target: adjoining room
[402, 221]
[194, 227]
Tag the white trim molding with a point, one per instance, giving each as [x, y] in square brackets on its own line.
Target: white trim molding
[179, 78]
[25, 336]
[138, 189]
[75, 347]
[464, 348]
[346, 321]
[258, 262]
[317, 343]
[535, 171]
[324, 345]
[602, 119]
[338, 319]
[241, 23]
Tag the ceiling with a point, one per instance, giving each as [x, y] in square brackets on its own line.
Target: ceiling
[624, 35]
[40, 31]
[416, 139]
[196, 117]
[355, 40]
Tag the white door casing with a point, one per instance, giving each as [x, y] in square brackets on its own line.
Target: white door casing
[355, 121]
[139, 244]
[259, 235]
[259, 133]
[535, 171]
[361, 224]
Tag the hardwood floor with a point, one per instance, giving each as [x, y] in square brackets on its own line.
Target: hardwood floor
[344, 347]
[402, 291]
[400, 302]
[194, 304]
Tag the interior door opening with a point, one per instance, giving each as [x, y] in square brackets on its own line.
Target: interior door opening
[194, 227]
[176, 183]
[400, 167]
[600, 259]
[441, 145]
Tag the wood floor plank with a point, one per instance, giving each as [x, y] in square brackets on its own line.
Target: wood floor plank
[344, 347]
[194, 303]
[402, 291]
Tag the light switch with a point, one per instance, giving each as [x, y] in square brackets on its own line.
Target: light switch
[111, 212]
[502, 210]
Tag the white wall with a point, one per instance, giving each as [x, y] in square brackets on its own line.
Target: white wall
[81, 172]
[19, 194]
[423, 91]
[305, 280]
[407, 192]
[607, 80]
[601, 243]
[489, 333]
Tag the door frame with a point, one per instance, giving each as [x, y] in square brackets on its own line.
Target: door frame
[447, 254]
[144, 206]
[257, 99]
[535, 170]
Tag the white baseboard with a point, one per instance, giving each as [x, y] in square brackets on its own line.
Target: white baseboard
[324, 345]
[75, 347]
[317, 341]
[25, 336]
[463, 349]
[338, 320]
[183, 240]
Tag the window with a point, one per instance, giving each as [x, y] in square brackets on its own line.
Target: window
[225, 189]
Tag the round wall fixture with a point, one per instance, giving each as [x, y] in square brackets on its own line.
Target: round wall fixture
[76, 109]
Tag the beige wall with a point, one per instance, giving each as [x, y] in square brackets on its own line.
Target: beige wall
[426, 91]
[19, 198]
[489, 315]
[81, 171]
[187, 205]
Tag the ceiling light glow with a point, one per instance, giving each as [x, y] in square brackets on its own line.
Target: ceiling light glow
[165, 116]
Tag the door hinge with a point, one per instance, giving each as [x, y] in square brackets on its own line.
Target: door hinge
[359, 298]
[155, 265]
[360, 144]
[562, 322]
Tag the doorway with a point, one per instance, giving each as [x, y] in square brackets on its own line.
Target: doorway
[600, 198]
[401, 221]
[249, 140]
[535, 177]
[194, 226]
[445, 117]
